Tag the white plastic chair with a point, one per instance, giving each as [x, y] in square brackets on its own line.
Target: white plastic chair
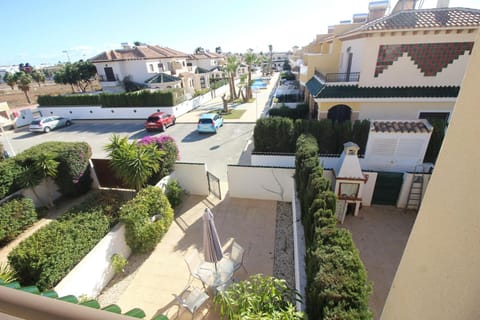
[192, 301]
[236, 256]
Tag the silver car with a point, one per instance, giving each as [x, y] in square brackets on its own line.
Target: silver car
[46, 124]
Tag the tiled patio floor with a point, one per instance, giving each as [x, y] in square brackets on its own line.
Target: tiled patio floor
[380, 234]
[250, 222]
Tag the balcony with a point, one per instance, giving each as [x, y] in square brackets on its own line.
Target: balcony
[338, 77]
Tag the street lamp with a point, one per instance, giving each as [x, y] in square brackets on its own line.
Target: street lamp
[66, 52]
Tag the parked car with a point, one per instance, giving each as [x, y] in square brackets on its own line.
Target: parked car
[209, 122]
[159, 120]
[46, 124]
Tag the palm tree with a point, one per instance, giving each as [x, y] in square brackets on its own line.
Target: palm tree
[23, 82]
[250, 59]
[132, 162]
[231, 67]
[270, 49]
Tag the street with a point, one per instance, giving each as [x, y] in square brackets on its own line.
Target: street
[216, 150]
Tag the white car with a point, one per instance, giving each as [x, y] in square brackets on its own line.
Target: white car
[46, 124]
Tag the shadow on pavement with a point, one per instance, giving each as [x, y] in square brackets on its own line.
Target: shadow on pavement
[195, 136]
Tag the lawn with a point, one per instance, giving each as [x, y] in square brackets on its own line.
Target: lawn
[232, 113]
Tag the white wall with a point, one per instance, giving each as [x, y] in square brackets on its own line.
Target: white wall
[395, 151]
[97, 112]
[94, 272]
[368, 187]
[264, 183]
[358, 49]
[43, 190]
[405, 109]
[192, 177]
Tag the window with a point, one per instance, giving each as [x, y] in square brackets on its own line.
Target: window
[434, 115]
[160, 67]
[349, 190]
[151, 67]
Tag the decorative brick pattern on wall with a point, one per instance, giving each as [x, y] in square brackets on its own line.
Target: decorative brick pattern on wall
[430, 58]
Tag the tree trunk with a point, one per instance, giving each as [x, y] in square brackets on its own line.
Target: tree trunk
[232, 88]
[73, 90]
[240, 94]
[249, 79]
[225, 103]
[26, 96]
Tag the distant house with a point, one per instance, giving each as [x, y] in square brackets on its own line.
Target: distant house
[203, 68]
[139, 63]
[408, 65]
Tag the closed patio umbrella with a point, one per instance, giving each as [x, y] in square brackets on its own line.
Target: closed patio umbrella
[212, 248]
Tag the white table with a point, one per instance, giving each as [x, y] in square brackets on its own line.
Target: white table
[214, 276]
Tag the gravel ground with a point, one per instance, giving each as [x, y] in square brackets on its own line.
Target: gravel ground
[283, 266]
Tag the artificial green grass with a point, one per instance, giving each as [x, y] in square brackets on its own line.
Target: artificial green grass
[232, 113]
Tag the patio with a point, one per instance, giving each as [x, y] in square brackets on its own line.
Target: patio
[164, 272]
[380, 234]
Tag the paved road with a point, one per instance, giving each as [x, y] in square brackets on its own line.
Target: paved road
[216, 150]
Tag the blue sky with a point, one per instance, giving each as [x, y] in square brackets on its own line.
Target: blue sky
[40, 31]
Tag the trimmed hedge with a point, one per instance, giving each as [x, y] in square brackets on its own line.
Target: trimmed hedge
[142, 98]
[147, 218]
[15, 216]
[300, 112]
[274, 135]
[50, 254]
[73, 176]
[75, 100]
[337, 284]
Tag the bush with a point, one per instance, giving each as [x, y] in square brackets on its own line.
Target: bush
[75, 100]
[49, 254]
[337, 285]
[167, 160]
[174, 193]
[259, 297]
[10, 171]
[147, 217]
[73, 173]
[119, 263]
[273, 135]
[201, 92]
[15, 216]
[300, 112]
[330, 136]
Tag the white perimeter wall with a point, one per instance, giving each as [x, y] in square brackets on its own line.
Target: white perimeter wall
[94, 272]
[192, 177]
[264, 183]
[97, 112]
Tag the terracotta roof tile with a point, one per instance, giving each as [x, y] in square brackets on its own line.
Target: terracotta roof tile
[424, 18]
[399, 126]
[139, 53]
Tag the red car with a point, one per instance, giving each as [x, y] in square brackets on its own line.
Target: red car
[159, 120]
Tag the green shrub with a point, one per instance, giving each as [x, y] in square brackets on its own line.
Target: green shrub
[200, 92]
[273, 135]
[119, 263]
[300, 112]
[10, 170]
[337, 285]
[15, 216]
[49, 254]
[147, 218]
[73, 172]
[270, 136]
[79, 100]
[174, 193]
[259, 297]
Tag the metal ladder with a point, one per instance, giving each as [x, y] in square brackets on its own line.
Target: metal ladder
[416, 191]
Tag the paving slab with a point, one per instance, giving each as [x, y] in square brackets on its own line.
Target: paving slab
[164, 273]
[380, 234]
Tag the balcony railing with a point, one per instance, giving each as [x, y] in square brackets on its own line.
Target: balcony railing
[338, 77]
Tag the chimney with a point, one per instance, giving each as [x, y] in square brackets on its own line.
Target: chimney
[377, 9]
[125, 46]
[443, 3]
[404, 5]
